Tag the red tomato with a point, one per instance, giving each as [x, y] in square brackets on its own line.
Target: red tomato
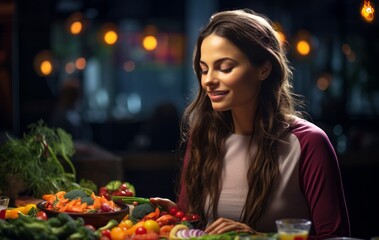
[179, 214]
[173, 210]
[195, 217]
[185, 219]
[123, 187]
[141, 230]
[102, 191]
[128, 193]
[106, 233]
[41, 215]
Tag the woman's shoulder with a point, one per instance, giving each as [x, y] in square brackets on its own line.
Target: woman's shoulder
[305, 130]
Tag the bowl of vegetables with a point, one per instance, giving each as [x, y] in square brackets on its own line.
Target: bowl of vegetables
[95, 210]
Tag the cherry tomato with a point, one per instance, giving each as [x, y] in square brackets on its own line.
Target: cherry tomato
[106, 233]
[173, 210]
[185, 219]
[141, 230]
[179, 214]
[123, 187]
[41, 215]
[195, 217]
[103, 191]
[128, 193]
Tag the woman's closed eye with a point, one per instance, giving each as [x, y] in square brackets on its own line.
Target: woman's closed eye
[226, 70]
[204, 72]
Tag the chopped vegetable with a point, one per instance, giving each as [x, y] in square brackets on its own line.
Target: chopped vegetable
[141, 210]
[73, 202]
[76, 193]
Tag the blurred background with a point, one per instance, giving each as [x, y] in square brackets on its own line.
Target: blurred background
[117, 74]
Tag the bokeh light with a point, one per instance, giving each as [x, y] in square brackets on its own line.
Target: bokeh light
[110, 37]
[46, 67]
[149, 43]
[69, 67]
[80, 63]
[76, 28]
[43, 63]
[303, 47]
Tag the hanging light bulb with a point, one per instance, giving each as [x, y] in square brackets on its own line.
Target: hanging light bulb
[367, 11]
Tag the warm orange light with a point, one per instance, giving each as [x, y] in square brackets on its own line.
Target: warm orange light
[70, 67]
[367, 11]
[110, 37]
[76, 23]
[150, 43]
[46, 67]
[80, 63]
[43, 63]
[303, 47]
[76, 27]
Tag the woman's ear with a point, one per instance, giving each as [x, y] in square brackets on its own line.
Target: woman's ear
[265, 70]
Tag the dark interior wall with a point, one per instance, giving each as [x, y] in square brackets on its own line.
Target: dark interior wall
[34, 19]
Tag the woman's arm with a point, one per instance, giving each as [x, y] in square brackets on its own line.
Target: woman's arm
[321, 183]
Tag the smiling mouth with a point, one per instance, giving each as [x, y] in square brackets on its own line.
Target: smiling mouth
[217, 93]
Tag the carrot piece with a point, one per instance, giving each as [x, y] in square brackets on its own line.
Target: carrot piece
[164, 231]
[153, 215]
[77, 209]
[47, 197]
[165, 218]
[60, 194]
[97, 203]
[157, 212]
[71, 203]
[63, 209]
[84, 206]
[103, 199]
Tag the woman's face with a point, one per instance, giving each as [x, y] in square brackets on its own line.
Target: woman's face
[228, 77]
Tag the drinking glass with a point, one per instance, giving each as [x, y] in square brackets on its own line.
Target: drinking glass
[293, 228]
[4, 201]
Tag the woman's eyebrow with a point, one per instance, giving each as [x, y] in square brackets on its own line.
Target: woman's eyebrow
[218, 61]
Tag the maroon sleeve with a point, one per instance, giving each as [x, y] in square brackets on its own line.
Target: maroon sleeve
[321, 183]
[182, 200]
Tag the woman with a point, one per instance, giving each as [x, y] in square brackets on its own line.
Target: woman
[251, 158]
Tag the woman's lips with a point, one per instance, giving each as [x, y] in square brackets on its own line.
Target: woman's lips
[216, 96]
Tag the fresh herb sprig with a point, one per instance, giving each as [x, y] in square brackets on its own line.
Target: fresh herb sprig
[36, 160]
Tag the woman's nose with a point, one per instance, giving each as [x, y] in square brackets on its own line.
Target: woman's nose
[210, 78]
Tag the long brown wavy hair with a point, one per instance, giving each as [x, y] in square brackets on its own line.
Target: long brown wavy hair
[207, 129]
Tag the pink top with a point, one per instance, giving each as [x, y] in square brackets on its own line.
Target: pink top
[309, 185]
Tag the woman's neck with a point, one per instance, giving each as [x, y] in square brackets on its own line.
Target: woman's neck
[244, 121]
